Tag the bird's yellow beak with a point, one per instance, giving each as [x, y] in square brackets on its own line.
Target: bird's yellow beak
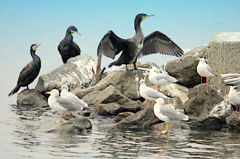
[156, 100]
[147, 16]
[47, 93]
[75, 32]
[36, 46]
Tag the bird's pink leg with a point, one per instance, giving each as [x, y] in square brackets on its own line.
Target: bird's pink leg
[69, 114]
[158, 88]
[206, 82]
[150, 104]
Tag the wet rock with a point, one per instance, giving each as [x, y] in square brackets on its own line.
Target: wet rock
[140, 120]
[77, 126]
[233, 122]
[222, 110]
[75, 73]
[185, 71]
[122, 116]
[201, 100]
[31, 99]
[200, 52]
[158, 126]
[206, 124]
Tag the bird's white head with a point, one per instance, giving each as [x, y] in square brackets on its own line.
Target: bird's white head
[64, 87]
[159, 101]
[202, 60]
[141, 82]
[53, 92]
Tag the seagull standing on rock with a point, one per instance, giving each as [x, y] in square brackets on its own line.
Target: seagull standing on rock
[60, 104]
[204, 70]
[160, 78]
[234, 97]
[167, 113]
[148, 93]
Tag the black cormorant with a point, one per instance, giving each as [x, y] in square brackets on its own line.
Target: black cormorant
[67, 47]
[156, 42]
[29, 72]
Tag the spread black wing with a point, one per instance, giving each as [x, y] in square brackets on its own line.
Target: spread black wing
[158, 42]
[110, 45]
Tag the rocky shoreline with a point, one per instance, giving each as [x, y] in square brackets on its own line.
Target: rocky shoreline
[116, 96]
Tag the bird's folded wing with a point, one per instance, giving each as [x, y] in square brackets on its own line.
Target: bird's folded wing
[26, 71]
[110, 45]
[158, 42]
[76, 48]
[68, 105]
[154, 94]
[171, 113]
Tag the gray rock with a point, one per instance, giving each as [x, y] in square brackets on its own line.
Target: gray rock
[77, 126]
[122, 116]
[233, 122]
[31, 99]
[75, 73]
[111, 102]
[223, 51]
[201, 100]
[199, 52]
[206, 123]
[185, 71]
[222, 110]
[140, 120]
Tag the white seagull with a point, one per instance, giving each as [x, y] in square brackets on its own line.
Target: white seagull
[234, 97]
[204, 70]
[72, 97]
[167, 113]
[148, 93]
[60, 104]
[160, 79]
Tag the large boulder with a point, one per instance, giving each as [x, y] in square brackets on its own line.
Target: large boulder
[206, 123]
[77, 72]
[140, 120]
[223, 56]
[110, 102]
[222, 110]
[200, 52]
[185, 71]
[31, 99]
[201, 100]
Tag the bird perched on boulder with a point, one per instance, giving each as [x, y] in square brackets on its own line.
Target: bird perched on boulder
[132, 48]
[167, 113]
[148, 93]
[67, 47]
[29, 72]
[155, 77]
[60, 104]
[204, 70]
[72, 97]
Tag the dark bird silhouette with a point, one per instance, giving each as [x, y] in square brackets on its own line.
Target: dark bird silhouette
[29, 72]
[67, 47]
[132, 48]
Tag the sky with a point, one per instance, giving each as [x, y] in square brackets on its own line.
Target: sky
[189, 23]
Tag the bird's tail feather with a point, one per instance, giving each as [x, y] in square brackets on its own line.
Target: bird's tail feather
[14, 90]
[113, 63]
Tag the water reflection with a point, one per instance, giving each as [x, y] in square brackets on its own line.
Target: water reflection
[32, 140]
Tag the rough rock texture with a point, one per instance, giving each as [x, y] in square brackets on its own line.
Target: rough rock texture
[185, 71]
[75, 73]
[201, 100]
[111, 102]
[125, 82]
[222, 110]
[223, 50]
[31, 98]
[140, 120]
[199, 52]
[122, 116]
[206, 123]
[74, 127]
[233, 122]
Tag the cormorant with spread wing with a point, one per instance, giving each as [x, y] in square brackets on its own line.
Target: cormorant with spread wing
[67, 47]
[29, 72]
[156, 42]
